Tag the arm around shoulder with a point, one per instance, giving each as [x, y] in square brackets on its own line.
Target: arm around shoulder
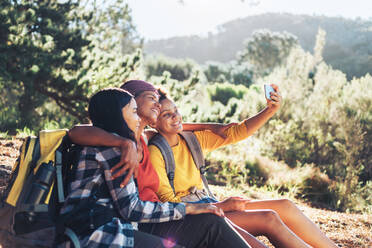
[93, 136]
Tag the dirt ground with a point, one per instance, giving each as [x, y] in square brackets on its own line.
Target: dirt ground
[347, 230]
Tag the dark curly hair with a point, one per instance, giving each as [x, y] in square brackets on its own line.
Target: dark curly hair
[105, 111]
[163, 94]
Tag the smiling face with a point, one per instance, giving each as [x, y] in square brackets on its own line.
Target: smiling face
[148, 106]
[130, 115]
[169, 120]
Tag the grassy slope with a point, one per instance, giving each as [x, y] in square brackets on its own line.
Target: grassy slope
[347, 230]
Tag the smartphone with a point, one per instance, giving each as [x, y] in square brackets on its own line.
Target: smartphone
[268, 89]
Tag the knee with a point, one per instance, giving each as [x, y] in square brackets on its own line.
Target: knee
[287, 205]
[271, 219]
[210, 219]
[212, 224]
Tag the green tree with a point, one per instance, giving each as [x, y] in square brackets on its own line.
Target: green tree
[241, 73]
[111, 26]
[40, 54]
[54, 54]
[267, 50]
[114, 54]
[319, 46]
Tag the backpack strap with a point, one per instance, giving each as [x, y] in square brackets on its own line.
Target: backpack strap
[197, 155]
[161, 143]
[61, 194]
[87, 215]
[73, 237]
[195, 149]
[23, 169]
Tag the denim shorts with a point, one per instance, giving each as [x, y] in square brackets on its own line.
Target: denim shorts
[205, 200]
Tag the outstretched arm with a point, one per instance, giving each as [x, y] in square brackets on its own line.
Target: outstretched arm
[252, 124]
[257, 121]
[93, 136]
[217, 128]
[243, 130]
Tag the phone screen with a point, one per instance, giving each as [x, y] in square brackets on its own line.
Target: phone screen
[268, 89]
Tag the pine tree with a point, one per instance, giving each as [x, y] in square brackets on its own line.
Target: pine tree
[41, 47]
[267, 50]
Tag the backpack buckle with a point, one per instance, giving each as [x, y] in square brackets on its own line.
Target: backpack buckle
[203, 169]
[171, 175]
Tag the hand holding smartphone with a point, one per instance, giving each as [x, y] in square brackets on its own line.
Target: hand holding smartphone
[268, 89]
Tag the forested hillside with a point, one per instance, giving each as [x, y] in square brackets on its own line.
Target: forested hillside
[348, 46]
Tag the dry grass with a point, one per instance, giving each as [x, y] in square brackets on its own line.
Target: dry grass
[9, 151]
[347, 230]
[8, 155]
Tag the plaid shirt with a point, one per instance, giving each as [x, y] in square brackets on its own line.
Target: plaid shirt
[94, 168]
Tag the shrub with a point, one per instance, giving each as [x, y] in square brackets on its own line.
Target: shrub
[231, 166]
[326, 121]
[179, 69]
[224, 92]
[216, 72]
[234, 73]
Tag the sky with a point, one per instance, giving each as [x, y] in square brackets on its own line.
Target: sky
[159, 19]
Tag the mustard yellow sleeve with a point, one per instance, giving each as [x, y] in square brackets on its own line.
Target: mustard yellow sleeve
[210, 141]
[165, 191]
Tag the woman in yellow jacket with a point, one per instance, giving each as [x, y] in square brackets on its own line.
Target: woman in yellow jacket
[280, 220]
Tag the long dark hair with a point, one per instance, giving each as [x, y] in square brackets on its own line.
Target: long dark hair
[105, 111]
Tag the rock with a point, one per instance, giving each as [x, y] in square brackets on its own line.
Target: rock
[5, 172]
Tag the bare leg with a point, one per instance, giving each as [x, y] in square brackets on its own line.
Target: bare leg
[268, 223]
[293, 217]
[251, 240]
